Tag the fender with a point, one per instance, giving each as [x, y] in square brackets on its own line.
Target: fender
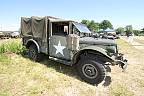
[37, 45]
[92, 48]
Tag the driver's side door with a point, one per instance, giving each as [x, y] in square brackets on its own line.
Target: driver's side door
[58, 45]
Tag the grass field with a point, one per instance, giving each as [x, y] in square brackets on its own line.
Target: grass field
[20, 76]
[139, 39]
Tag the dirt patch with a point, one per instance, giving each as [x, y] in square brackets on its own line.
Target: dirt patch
[9, 54]
[138, 43]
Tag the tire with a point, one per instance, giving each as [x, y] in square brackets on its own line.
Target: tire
[91, 71]
[33, 53]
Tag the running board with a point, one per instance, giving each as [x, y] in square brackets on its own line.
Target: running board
[66, 62]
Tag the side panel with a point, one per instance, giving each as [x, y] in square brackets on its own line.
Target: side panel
[58, 47]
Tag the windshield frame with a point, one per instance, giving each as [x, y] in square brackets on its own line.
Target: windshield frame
[81, 27]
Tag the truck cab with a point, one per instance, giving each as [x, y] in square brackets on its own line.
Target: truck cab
[69, 42]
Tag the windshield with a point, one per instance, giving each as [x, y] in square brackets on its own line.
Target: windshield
[81, 28]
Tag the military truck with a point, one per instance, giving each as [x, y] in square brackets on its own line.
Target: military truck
[69, 42]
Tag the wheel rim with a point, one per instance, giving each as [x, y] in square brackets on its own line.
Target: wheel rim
[90, 71]
[32, 53]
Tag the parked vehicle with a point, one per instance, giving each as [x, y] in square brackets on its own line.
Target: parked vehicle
[1, 35]
[15, 35]
[111, 36]
[68, 42]
[4, 35]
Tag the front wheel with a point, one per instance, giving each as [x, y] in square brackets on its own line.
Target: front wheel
[91, 71]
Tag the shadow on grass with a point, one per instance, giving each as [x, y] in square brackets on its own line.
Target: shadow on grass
[107, 81]
[65, 69]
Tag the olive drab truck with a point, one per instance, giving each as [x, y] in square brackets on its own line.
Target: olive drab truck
[71, 43]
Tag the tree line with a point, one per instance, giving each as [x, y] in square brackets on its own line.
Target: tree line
[105, 24]
[129, 30]
[95, 26]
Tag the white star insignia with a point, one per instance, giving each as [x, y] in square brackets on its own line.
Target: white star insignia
[59, 48]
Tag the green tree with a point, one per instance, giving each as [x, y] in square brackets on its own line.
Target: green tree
[120, 30]
[97, 27]
[94, 27]
[105, 24]
[86, 22]
[136, 32]
[129, 29]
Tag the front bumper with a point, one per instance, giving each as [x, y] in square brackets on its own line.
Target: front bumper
[119, 60]
[122, 64]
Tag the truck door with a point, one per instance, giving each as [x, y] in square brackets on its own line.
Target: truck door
[57, 41]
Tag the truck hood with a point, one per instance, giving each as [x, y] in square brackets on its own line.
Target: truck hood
[96, 41]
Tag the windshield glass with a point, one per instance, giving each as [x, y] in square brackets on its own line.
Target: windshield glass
[82, 28]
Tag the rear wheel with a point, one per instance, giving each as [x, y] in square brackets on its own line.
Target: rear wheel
[33, 53]
[91, 71]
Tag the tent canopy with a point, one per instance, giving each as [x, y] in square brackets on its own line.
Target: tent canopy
[107, 30]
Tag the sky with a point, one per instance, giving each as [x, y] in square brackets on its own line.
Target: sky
[119, 12]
